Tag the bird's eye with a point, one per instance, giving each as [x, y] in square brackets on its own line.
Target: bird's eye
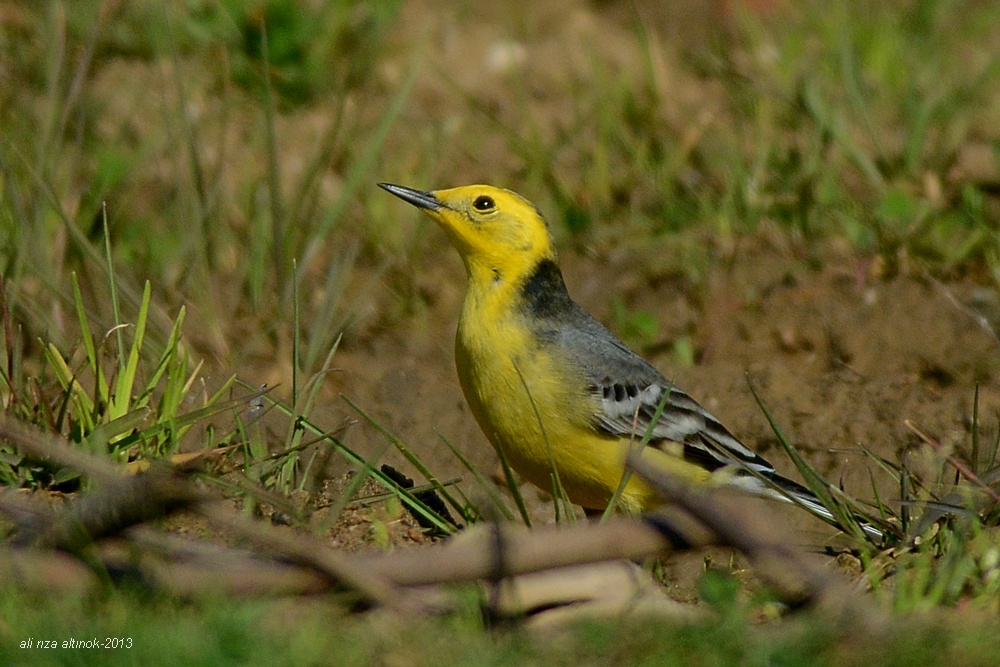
[484, 203]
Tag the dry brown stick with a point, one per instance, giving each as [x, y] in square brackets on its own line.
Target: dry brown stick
[242, 576]
[117, 507]
[45, 570]
[799, 580]
[43, 446]
[121, 500]
[472, 558]
[195, 568]
[187, 567]
[209, 569]
[307, 550]
[110, 509]
[191, 568]
[19, 507]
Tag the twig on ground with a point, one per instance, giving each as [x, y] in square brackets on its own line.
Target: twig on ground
[306, 550]
[126, 500]
[799, 581]
[110, 509]
[43, 446]
[470, 557]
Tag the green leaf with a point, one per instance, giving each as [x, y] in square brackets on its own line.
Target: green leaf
[122, 399]
[88, 340]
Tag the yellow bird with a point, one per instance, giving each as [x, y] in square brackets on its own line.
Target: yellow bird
[553, 388]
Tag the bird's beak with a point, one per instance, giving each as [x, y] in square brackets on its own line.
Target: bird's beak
[416, 197]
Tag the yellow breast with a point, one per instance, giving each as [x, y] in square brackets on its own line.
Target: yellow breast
[534, 406]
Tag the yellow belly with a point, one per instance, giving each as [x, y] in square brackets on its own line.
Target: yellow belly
[536, 409]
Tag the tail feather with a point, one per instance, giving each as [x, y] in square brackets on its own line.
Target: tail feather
[773, 485]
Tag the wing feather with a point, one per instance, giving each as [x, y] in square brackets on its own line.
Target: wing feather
[629, 390]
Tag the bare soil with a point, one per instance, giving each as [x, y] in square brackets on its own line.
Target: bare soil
[842, 356]
[842, 351]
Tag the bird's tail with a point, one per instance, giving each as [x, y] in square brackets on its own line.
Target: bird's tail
[772, 485]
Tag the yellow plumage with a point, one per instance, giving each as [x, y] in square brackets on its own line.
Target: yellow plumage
[550, 386]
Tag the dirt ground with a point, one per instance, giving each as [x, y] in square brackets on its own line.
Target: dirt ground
[841, 355]
[842, 351]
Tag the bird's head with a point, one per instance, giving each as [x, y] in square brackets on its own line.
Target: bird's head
[494, 230]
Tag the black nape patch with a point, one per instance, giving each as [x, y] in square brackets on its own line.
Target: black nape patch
[544, 292]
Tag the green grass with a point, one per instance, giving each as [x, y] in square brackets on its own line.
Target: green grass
[167, 225]
[824, 123]
[223, 632]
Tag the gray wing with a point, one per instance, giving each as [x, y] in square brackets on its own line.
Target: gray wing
[630, 390]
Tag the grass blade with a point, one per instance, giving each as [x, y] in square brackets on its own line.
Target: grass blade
[515, 492]
[362, 165]
[488, 487]
[407, 454]
[405, 496]
[122, 398]
[113, 284]
[843, 518]
[88, 339]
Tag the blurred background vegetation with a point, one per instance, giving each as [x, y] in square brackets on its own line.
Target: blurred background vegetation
[223, 152]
